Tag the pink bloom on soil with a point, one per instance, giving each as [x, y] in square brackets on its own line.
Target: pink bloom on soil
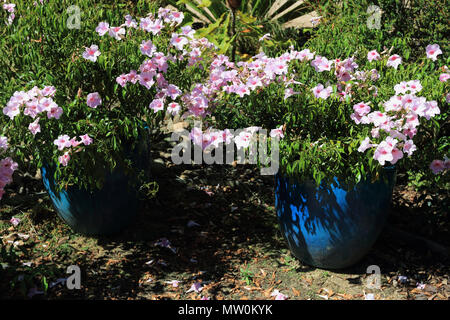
[278, 295]
[14, 221]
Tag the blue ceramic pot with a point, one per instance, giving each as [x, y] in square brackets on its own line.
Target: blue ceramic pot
[329, 226]
[100, 212]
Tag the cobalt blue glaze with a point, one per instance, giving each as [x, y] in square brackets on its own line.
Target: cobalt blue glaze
[330, 227]
[100, 212]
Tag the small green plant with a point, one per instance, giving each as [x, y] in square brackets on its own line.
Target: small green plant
[247, 275]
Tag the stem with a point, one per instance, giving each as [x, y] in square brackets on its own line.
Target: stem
[233, 32]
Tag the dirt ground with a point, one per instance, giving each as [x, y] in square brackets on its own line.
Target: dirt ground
[222, 229]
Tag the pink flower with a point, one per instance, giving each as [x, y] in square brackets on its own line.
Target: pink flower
[401, 88]
[384, 151]
[383, 154]
[304, 55]
[433, 50]
[396, 155]
[241, 90]
[157, 105]
[321, 64]
[444, 77]
[122, 80]
[265, 37]
[243, 139]
[176, 17]
[54, 112]
[9, 7]
[365, 144]
[86, 140]
[132, 76]
[414, 86]
[74, 143]
[34, 127]
[62, 142]
[102, 28]
[91, 53]
[320, 92]
[278, 295]
[174, 283]
[437, 166]
[148, 48]
[116, 32]
[64, 159]
[173, 108]
[278, 132]
[3, 143]
[431, 109]
[11, 110]
[197, 287]
[130, 22]
[14, 221]
[173, 91]
[146, 79]
[94, 100]
[177, 41]
[48, 91]
[373, 55]
[409, 147]
[394, 61]
[288, 92]
[361, 109]
[377, 118]
[188, 32]
[253, 83]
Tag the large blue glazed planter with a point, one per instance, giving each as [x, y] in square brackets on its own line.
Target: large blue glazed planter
[101, 212]
[329, 226]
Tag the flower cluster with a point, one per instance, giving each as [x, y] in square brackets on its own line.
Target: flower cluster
[34, 102]
[64, 141]
[10, 8]
[399, 122]
[152, 71]
[7, 166]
